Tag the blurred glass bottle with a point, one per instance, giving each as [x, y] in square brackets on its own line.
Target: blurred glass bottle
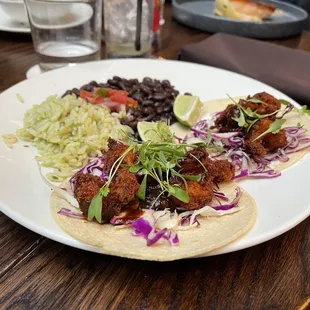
[158, 21]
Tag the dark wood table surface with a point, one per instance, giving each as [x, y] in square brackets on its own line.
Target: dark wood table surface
[37, 273]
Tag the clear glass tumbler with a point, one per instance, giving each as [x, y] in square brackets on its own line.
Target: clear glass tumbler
[126, 35]
[65, 32]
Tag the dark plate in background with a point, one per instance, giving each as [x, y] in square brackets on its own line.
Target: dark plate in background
[199, 15]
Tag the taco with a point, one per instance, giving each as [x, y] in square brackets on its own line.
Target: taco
[155, 201]
[259, 134]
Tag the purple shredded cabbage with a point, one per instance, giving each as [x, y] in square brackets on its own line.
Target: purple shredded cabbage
[219, 195]
[231, 205]
[157, 236]
[95, 166]
[248, 165]
[69, 213]
[180, 140]
[172, 237]
[185, 221]
[144, 228]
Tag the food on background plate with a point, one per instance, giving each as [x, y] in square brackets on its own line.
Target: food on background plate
[259, 134]
[246, 10]
[155, 200]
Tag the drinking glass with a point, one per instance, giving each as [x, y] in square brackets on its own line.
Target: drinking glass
[65, 32]
[127, 32]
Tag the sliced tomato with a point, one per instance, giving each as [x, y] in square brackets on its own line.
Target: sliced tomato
[119, 98]
[116, 91]
[84, 94]
[131, 102]
[97, 100]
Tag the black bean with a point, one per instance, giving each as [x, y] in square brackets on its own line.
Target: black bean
[112, 82]
[158, 104]
[168, 101]
[133, 124]
[149, 84]
[159, 110]
[147, 111]
[131, 111]
[94, 83]
[130, 118]
[147, 80]
[166, 83]
[147, 102]
[134, 81]
[167, 115]
[121, 86]
[137, 96]
[67, 93]
[117, 78]
[163, 117]
[87, 87]
[76, 92]
[168, 108]
[145, 89]
[138, 113]
[188, 94]
[167, 91]
[150, 117]
[159, 96]
[103, 85]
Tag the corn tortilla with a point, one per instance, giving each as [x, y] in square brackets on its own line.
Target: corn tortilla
[218, 105]
[212, 234]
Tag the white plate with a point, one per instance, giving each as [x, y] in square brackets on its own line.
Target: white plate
[282, 202]
[7, 24]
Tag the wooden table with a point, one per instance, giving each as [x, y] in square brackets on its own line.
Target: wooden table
[37, 273]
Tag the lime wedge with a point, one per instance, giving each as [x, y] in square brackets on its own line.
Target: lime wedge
[187, 109]
[154, 131]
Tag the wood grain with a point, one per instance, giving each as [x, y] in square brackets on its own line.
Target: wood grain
[16, 243]
[37, 273]
[273, 275]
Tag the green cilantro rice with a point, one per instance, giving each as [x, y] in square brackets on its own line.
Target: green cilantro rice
[67, 131]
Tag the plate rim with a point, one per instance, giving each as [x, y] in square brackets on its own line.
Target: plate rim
[3, 27]
[269, 30]
[244, 22]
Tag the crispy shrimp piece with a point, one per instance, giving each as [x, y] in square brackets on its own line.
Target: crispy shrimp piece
[200, 194]
[123, 189]
[222, 171]
[275, 141]
[195, 162]
[116, 150]
[217, 170]
[86, 187]
[268, 105]
[224, 122]
[268, 142]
